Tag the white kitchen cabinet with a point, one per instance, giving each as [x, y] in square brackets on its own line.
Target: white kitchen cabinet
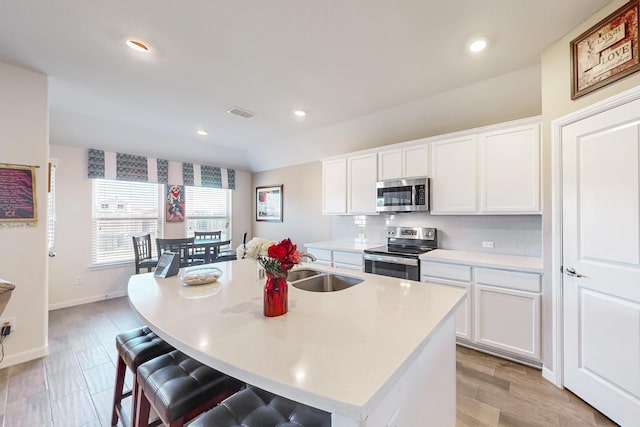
[494, 171]
[501, 312]
[323, 256]
[348, 260]
[351, 260]
[454, 181]
[457, 276]
[404, 162]
[510, 170]
[361, 183]
[334, 186]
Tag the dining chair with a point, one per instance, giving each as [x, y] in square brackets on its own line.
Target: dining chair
[201, 253]
[142, 251]
[183, 247]
[230, 254]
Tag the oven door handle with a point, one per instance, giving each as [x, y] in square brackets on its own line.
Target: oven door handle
[391, 259]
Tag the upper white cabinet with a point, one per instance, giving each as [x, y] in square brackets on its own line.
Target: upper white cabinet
[349, 184]
[454, 182]
[361, 183]
[510, 170]
[404, 162]
[334, 186]
[490, 172]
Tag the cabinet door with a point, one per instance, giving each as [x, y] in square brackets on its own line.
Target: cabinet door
[453, 176]
[390, 164]
[416, 161]
[334, 186]
[361, 183]
[508, 320]
[510, 170]
[463, 313]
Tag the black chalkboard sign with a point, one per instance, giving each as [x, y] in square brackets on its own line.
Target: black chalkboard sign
[168, 265]
[18, 194]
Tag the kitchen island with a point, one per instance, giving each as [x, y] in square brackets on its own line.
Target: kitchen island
[379, 353]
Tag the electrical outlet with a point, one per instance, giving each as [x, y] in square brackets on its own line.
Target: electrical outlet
[9, 321]
[487, 244]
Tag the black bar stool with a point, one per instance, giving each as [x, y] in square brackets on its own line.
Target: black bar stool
[180, 388]
[254, 407]
[134, 348]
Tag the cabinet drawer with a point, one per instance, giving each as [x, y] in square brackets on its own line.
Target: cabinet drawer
[528, 282]
[353, 258]
[348, 266]
[446, 271]
[321, 254]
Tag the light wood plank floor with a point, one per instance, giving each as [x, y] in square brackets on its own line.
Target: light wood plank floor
[72, 387]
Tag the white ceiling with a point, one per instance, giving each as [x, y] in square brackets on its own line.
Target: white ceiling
[341, 60]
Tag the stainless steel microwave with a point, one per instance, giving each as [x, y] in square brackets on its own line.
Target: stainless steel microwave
[402, 195]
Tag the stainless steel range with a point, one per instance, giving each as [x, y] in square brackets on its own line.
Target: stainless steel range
[399, 258]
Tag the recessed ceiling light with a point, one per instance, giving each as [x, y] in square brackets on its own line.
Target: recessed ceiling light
[299, 113]
[138, 45]
[478, 45]
[202, 132]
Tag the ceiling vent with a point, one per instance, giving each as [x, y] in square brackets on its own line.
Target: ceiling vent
[241, 112]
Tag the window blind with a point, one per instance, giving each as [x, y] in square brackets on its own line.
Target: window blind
[208, 209]
[122, 210]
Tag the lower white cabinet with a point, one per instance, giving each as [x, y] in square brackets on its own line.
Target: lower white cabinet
[323, 256]
[457, 276]
[501, 312]
[348, 260]
[337, 258]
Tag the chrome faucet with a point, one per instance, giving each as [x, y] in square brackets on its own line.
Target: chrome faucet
[311, 257]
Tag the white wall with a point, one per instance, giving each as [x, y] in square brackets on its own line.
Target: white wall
[24, 136]
[556, 103]
[303, 221]
[73, 233]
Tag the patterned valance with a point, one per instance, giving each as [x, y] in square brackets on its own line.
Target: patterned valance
[126, 167]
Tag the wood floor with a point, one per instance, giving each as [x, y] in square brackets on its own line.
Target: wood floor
[72, 387]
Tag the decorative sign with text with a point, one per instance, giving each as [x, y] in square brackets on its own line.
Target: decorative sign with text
[606, 52]
[17, 194]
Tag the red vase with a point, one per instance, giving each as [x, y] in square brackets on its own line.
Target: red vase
[275, 296]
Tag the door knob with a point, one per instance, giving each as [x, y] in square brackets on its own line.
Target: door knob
[570, 271]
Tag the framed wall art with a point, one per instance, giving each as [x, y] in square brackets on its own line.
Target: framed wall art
[269, 203]
[606, 52]
[18, 194]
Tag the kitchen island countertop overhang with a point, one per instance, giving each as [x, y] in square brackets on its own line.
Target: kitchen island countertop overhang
[342, 351]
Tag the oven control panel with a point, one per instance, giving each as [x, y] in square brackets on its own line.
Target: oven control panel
[419, 233]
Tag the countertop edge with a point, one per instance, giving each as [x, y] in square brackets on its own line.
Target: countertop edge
[483, 259]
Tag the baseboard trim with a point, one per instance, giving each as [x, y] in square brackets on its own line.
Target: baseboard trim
[25, 356]
[86, 300]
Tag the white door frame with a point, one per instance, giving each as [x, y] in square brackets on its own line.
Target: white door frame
[556, 375]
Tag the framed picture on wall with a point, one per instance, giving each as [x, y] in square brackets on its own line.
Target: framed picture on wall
[606, 52]
[269, 203]
[18, 194]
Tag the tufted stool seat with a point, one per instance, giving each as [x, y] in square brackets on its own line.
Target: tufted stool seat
[253, 407]
[134, 348]
[180, 388]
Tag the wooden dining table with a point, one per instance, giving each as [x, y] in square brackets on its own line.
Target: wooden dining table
[211, 247]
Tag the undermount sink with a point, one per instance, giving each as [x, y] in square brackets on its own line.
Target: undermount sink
[301, 273]
[318, 281]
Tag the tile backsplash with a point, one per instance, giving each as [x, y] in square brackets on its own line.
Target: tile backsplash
[510, 234]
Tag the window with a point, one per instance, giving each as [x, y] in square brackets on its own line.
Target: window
[122, 209]
[208, 209]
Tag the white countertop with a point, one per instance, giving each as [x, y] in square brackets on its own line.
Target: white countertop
[484, 259]
[338, 245]
[338, 351]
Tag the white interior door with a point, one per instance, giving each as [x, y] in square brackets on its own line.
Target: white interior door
[601, 261]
